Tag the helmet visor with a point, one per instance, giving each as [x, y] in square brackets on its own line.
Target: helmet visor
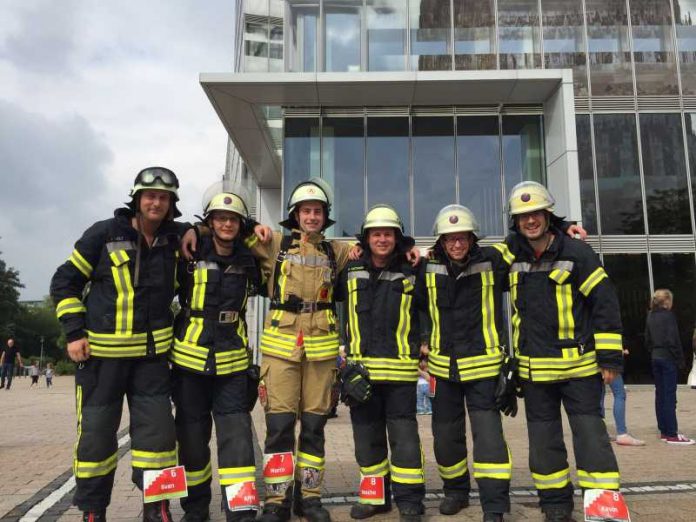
[149, 177]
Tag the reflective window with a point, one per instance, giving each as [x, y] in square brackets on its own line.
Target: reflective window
[518, 34]
[434, 184]
[430, 25]
[609, 47]
[523, 150]
[478, 166]
[275, 51]
[685, 13]
[342, 35]
[474, 34]
[629, 273]
[300, 151]
[387, 165]
[343, 165]
[690, 120]
[587, 185]
[653, 46]
[304, 28]
[664, 168]
[618, 175]
[564, 39]
[386, 35]
[255, 45]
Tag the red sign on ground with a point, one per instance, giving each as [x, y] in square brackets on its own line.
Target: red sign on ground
[277, 467]
[605, 505]
[242, 496]
[372, 490]
[160, 484]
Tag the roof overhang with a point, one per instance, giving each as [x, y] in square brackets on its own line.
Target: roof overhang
[239, 99]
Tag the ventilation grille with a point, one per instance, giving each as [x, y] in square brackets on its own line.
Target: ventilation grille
[475, 110]
[613, 103]
[256, 19]
[301, 112]
[523, 109]
[689, 102]
[658, 103]
[582, 104]
[343, 111]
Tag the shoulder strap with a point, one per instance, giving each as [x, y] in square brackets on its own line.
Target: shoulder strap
[285, 244]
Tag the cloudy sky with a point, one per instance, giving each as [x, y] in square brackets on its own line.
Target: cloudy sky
[90, 93]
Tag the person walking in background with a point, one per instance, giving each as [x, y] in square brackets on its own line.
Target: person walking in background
[7, 363]
[423, 404]
[623, 438]
[663, 343]
[34, 373]
[49, 375]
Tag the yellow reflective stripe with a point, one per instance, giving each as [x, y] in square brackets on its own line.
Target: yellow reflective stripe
[399, 364]
[455, 470]
[516, 319]
[558, 369]
[380, 469]
[353, 325]
[78, 408]
[555, 480]
[404, 326]
[124, 294]
[282, 280]
[200, 280]
[305, 460]
[434, 311]
[251, 241]
[598, 480]
[81, 263]
[490, 333]
[438, 365]
[500, 471]
[153, 459]
[194, 330]
[236, 475]
[70, 305]
[505, 251]
[186, 361]
[95, 469]
[593, 280]
[227, 368]
[564, 306]
[407, 475]
[559, 275]
[195, 478]
[608, 341]
[241, 323]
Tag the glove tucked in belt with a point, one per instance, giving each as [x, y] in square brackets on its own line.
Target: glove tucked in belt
[355, 384]
[508, 387]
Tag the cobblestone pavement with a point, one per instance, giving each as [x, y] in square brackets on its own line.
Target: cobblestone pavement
[37, 432]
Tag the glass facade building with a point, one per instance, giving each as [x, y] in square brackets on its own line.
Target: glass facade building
[633, 68]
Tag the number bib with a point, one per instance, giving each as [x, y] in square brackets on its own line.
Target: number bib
[372, 490]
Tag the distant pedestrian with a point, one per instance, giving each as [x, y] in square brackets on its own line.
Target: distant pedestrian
[34, 373]
[49, 375]
[7, 363]
[618, 389]
[423, 404]
[663, 343]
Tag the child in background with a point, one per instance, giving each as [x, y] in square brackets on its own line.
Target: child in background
[34, 372]
[49, 375]
[423, 404]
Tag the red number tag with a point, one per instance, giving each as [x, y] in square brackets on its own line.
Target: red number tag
[278, 467]
[605, 504]
[242, 496]
[161, 484]
[372, 490]
[432, 385]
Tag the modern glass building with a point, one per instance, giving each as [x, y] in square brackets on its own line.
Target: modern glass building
[422, 103]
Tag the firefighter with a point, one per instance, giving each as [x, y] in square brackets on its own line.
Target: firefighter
[119, 331]
[379, 381]
[211, 370]
[463, 284]
[567, 335]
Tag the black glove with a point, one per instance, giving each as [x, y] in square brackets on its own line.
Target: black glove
[253, 379]
[508, 387]
[355, 384]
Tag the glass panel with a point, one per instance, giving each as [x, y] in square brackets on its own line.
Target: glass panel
[664, 167]
[255, 46]
[342, 35]
[386, 35]
[275, 64]
[609, 46]
[629, 273]
[430, 25]
[653, 46]
[678, 273]
[523, 150]
[387, 165]
[478, 166]
[304, 28]
[685, 13]
[474, 34]
[343, 165]
[434, 184]
[256, 7]
[518, 34]
[564, 39]
[618, 175]
[691, 145]
[587, 185]
[300, 151]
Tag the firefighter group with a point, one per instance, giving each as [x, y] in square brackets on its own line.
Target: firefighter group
[114, 297]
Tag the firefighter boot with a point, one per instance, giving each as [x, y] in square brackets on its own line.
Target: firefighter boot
[157, 512]
[493, 517]
[359, 511]
[275, 513]
[312, 510]
[94, 516]
[247, 515]
[411, 512]
[558, 514]
[196, 516]
[453, 504]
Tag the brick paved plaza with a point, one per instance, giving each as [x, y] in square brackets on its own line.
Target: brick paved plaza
[37, 430]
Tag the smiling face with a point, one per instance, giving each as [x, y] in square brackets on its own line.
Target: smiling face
[225, 224]
[382, 241]
[457, 245]
[154, 204]
[533, 225]
[310, 216]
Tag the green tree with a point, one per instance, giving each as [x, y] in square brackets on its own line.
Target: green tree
[33, 323]
[9, 298]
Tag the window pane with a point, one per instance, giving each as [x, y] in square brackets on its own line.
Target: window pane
[474, 34]
[478, 165]
[343, 166]
[618, 175]
[387, 165]
[685, 12]
[609, 46]
[523, 150]
[678, 273]
[434, 183]
[300, 151]
[564, 39]
[653, 46]
[518, 34]
[342, 29]
[276, 45]
[664, 168]
[304, 27]
[255, 46]
[691, 144]
[430, 25]
[587, 185]
[386, 35]
[629, 273]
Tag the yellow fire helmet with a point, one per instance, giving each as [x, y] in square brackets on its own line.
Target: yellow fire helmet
[229, 202]
[382, 216]
[314, 189]
[529, 196]
[455, 218]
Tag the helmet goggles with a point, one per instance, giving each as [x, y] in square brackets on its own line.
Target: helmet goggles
[150, 176]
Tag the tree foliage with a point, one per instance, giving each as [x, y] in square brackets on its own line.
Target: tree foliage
[33, 323]
[9, 298]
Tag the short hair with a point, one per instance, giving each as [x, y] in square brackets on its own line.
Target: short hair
[661, 298]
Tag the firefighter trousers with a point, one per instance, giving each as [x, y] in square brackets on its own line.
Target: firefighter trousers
[548, 459]
[492, 465]
[200, 400]
[295, 389]
[100, 385]
[391, 411]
